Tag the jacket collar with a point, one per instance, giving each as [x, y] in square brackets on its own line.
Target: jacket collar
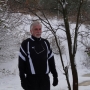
[34, 38]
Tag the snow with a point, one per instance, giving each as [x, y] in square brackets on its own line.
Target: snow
[9, 77]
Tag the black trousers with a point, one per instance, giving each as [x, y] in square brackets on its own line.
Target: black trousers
[38, 82]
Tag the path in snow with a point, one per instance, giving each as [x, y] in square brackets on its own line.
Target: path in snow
[12, 82]
[86, 82]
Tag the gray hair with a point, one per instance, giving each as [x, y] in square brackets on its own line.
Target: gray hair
[35, 23]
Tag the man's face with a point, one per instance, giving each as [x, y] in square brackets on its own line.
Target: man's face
[36, 31]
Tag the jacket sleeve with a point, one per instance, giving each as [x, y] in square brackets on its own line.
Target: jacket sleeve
[22, 61]
[51, 61]
[52, 67]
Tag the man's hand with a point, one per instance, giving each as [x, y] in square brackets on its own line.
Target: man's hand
[55, 81]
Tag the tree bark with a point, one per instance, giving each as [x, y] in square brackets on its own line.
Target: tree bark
[69, 41]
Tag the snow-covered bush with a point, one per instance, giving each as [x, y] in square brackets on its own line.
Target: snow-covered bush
[86, 62]
[54, 46]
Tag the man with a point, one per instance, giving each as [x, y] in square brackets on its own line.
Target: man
[36, 61]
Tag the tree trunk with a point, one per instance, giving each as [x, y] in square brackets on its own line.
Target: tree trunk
[69, 41]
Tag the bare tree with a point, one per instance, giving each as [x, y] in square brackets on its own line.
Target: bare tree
[10, 28]
[72, 47]
[71, 42]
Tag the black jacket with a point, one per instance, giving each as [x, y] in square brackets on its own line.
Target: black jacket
[36, 58]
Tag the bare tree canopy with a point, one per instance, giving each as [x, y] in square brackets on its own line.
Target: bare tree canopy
[68, 10]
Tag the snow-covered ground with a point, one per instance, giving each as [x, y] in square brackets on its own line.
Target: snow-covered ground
[11, 81]
[9, 77]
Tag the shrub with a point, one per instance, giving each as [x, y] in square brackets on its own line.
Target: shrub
[54, 46]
